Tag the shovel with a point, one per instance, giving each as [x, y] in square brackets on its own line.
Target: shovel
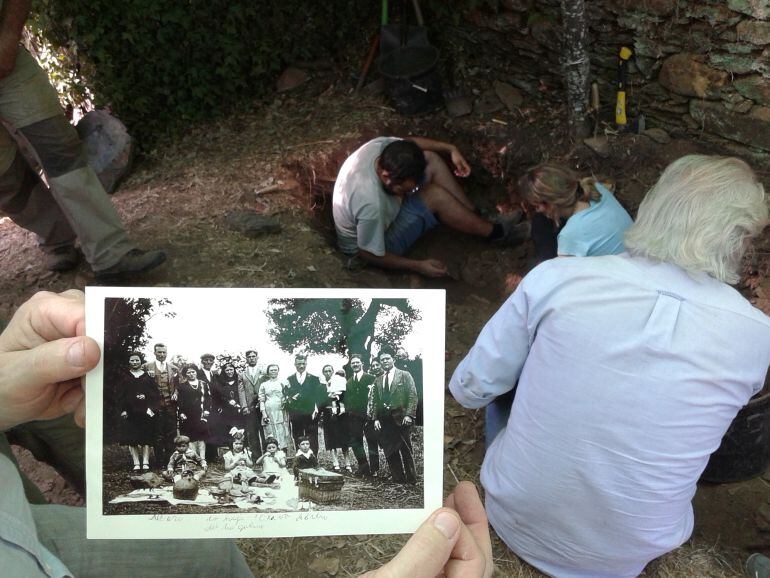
[393, 36]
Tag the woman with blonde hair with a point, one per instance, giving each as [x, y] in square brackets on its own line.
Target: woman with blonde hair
[575, 216]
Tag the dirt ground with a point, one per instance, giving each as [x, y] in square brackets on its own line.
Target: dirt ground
[177, 197]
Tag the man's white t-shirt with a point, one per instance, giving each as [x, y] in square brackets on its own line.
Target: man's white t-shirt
[361, 208]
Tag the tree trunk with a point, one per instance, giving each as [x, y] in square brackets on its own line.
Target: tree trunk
[577, 65]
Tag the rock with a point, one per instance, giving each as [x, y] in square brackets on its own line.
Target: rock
[658, 135]
[756, 8]
[714, 14]
[751, 129]
[762, 517]
[741, 107]
[734, 63]
[599, 144]
[327, 565]
[756, 88]
[108, 146]
[685, 74]
[657, 7]
[290, 78]
[487, 103]
[510, 96]
[252, 224]
[738, 48]
[755, 32]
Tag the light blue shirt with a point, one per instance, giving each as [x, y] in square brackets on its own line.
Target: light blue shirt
[21, 553]
[596, 230]
[630, 371]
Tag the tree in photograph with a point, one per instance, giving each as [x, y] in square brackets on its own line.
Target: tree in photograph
[341, 326]
[577, 65]
[125, 322]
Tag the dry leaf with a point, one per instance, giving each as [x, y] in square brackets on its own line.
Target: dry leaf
[326, 565]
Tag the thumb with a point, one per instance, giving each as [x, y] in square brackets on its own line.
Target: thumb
[427, 551]
[59, 360]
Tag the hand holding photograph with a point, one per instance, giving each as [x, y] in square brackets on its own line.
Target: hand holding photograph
[264, 412]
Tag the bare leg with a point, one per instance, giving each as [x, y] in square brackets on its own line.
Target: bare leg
[438, 172]
[452, 213]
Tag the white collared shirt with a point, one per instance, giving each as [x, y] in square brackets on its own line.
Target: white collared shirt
[301, 377]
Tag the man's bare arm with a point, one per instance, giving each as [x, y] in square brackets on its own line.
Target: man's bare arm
[461, 166]
[427, 267]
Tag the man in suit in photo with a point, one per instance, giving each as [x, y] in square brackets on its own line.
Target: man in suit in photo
[414, 367]
[165, 375]
[304, 398]
[248, 388]
[206, 376]
[356, 406]
[392, 410]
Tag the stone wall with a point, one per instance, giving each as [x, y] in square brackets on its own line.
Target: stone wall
[698, 67]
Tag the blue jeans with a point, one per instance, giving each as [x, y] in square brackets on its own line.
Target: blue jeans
[497, 414]
[412, 222]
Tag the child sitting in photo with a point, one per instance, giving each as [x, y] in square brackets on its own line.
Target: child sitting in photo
[305, 457]
[238, 462]
[273, 461]
[184, 459]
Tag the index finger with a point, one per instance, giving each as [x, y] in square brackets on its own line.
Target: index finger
[467, 503]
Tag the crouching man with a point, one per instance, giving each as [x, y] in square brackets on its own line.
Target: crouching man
[391, 191]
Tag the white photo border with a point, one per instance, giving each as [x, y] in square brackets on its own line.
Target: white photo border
[246, 524]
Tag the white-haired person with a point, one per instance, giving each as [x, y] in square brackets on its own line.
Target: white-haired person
[630, 369]
[43, 356]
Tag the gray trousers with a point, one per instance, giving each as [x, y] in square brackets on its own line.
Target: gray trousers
[73, 203]
[62, 529]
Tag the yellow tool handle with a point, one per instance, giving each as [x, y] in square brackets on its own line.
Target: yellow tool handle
[620, 109]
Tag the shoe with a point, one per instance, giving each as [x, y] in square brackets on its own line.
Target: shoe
[515, 229]
[62, 259]
[135, 261]
[348, 469]
[758, 566]
[336, 468]
[146, 467]
[137, 467]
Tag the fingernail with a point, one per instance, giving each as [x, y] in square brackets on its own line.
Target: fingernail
[76, 354]
[447, 524]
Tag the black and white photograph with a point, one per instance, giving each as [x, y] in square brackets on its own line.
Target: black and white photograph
[264, 412]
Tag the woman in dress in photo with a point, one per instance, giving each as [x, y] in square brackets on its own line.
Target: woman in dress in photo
[336, 437]
[138, 402]
[193, 410]
[226, 411]
[275, 421]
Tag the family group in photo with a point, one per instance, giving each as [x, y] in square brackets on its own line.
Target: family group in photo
[254, 420]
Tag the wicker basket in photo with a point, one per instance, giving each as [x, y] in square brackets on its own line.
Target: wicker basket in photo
[320, 486]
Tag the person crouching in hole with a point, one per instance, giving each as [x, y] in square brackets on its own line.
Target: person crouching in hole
[273, 461]
[184, 460]
[305, 458]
